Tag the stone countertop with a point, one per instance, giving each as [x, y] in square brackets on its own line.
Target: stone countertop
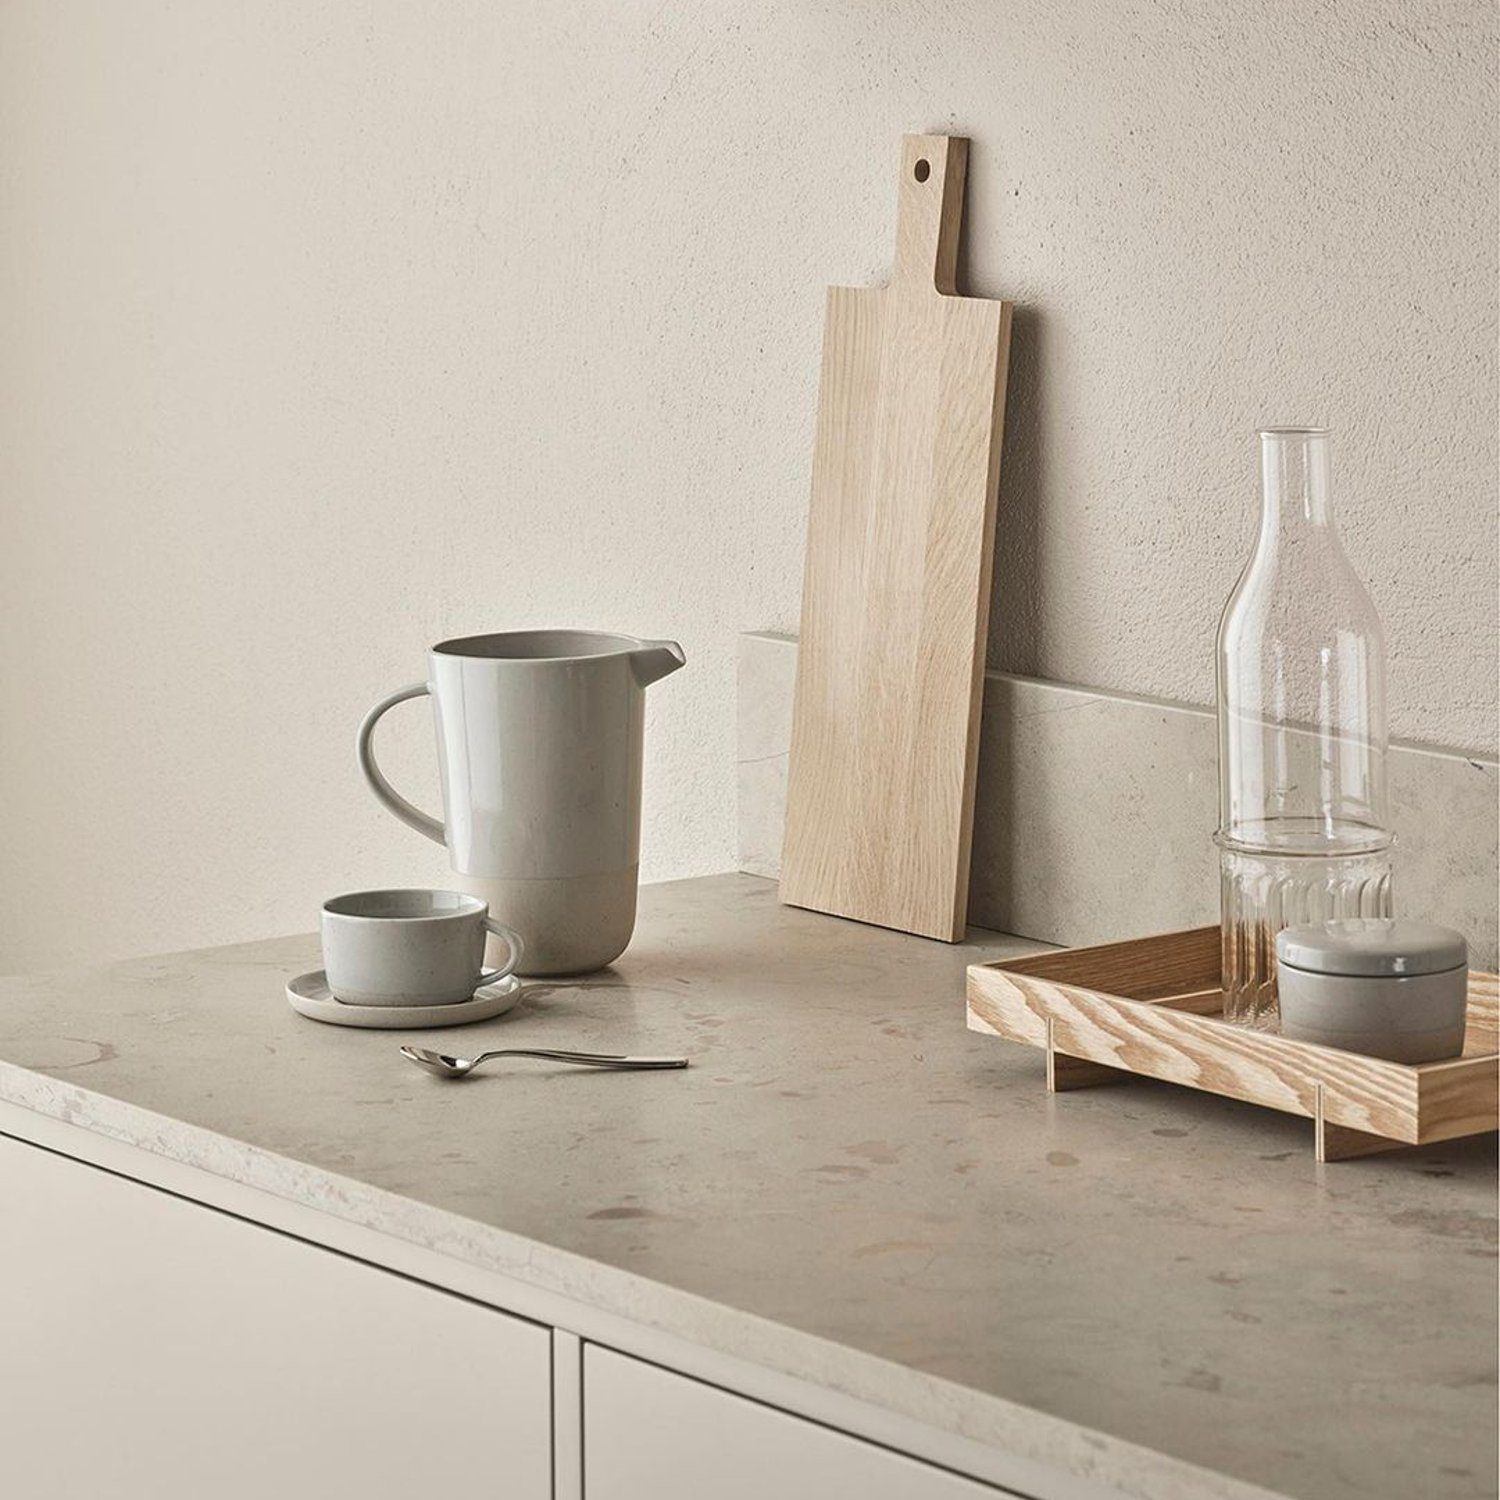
[849, 1186]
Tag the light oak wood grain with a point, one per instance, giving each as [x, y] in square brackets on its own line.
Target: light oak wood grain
[880, 791]
[1151, 1006]
[1066, 1073]
[1167, 965]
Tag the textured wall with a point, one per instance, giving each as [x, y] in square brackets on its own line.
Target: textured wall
[329, 329]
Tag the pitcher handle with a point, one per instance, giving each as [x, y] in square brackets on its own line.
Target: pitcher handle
[422, 822]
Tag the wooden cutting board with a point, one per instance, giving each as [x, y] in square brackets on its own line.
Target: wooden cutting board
[895, 601]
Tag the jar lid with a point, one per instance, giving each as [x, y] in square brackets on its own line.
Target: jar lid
[1372, 945]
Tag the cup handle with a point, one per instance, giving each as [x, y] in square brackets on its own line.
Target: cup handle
[413, 816]
[513, 942]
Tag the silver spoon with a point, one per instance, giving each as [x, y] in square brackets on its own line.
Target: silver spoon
[460, 1067]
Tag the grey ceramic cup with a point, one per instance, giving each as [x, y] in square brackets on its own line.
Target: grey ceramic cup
[414, 947]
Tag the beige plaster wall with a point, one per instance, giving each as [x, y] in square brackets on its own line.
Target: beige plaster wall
[328, 329]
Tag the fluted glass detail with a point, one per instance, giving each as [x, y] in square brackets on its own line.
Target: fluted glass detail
[1259, 894]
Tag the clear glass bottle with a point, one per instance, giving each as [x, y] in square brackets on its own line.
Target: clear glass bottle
[1303, 827]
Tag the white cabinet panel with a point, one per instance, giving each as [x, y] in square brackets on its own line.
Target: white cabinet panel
[652, 1435]
[152, 1349]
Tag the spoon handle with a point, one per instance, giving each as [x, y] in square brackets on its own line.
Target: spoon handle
[586, 1059]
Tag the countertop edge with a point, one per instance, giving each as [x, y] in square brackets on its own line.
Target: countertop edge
[1032, 1437]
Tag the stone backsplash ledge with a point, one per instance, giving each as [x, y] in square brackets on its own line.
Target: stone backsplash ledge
[1095, 811]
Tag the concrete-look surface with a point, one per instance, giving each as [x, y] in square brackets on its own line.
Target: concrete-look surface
[848, 1186]
[1094, 812]
[386, 323]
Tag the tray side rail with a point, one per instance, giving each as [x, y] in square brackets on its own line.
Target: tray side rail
[1169, 965]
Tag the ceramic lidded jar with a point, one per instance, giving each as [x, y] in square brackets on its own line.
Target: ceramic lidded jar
[1386, 986]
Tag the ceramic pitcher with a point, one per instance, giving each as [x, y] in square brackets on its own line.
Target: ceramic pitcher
[539, 745]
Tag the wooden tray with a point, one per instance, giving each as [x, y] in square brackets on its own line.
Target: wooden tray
[1152, 1007]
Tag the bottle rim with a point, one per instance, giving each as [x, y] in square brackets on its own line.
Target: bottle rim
[1307, 432]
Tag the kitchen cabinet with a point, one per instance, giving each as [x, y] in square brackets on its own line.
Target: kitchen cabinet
[650, 1434]
[156, 1348]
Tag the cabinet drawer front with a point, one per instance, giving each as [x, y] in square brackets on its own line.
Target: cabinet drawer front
[155, 1348]
[651, 1435]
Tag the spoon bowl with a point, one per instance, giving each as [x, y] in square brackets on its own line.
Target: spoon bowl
[438, 1062]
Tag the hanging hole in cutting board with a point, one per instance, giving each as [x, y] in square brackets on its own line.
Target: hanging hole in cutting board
[923, 169]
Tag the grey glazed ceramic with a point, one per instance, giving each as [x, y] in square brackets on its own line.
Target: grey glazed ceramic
[539, 743]
[309, 995]
[403, 948]
[1387, 987]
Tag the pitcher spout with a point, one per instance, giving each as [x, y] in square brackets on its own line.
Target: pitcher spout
[653, 660]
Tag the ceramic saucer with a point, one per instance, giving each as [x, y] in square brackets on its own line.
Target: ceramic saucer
[309, 995]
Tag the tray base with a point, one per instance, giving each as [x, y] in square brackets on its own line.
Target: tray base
[1339, 1143]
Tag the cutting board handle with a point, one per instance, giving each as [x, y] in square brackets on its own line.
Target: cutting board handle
[929, 211]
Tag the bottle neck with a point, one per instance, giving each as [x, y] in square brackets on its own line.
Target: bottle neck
[1296, 482]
